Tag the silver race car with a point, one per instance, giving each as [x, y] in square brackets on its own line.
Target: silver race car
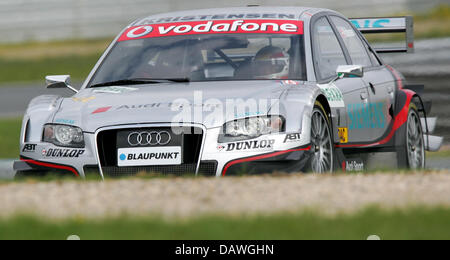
[229, 91]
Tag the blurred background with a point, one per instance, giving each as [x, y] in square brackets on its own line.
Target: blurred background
[44, 20]
[43, 37]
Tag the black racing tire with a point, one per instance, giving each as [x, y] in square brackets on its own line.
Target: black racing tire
[322, 153]
[412, 154]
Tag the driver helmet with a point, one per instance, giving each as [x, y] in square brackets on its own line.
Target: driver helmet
[271, 63]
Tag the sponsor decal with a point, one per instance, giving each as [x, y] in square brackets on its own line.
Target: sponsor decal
[343, 135]
[248, 114]
[251, 145]
[213, 27]
[179, 105]
[220, 148]
[83, 99]
[114, 90]
[363, 116]
[63, 153]
[148, 21]
[149, 156]
[101, 110]
[149, 106]
[164, 105]
[65, 121]
[333, 94]
[354, 166]
[29, 148]
[292, 138]
[139, 31]
[379, 23]
[143, 106]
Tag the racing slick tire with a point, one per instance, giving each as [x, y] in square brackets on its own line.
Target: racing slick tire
[412, 154]
[322, 145]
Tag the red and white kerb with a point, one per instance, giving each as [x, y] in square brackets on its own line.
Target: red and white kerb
[213, 27]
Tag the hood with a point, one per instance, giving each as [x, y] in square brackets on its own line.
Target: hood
[198, 102]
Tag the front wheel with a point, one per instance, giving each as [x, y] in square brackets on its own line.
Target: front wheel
[322, 149]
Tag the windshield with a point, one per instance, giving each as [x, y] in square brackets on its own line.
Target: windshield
[206, 57]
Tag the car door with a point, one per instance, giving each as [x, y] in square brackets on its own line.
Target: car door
[352, 93]
[381, 93]
[377, 79]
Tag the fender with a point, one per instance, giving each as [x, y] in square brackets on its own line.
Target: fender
[44, 103]
[403, 102]
[39, 112]
[297, 104]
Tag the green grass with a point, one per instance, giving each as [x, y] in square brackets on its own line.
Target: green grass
[32, 61]
[36, 70]
[417, 223]
[433, 24]
[9, 137]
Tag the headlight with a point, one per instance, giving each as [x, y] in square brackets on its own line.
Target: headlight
[249, 128]
[64, 135]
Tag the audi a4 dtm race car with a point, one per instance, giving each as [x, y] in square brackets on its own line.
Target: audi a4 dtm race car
[229, 91]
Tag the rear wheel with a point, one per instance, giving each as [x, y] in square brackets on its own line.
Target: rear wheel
[322, 149]
[415, 146]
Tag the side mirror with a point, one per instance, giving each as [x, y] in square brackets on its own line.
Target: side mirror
[59, 82]
[350, 71]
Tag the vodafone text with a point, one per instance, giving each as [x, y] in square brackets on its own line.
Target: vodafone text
[213, 27]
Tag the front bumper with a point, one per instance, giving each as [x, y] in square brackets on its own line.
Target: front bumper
[30, 165]
[267, 154]
[292, 160]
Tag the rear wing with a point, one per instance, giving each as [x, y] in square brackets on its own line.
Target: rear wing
[388, 25]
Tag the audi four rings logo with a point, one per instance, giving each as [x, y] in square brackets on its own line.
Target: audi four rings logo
[149, 138]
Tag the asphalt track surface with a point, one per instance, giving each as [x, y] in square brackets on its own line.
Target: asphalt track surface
[14, 99]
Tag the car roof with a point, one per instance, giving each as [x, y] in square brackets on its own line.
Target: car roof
[296, 11]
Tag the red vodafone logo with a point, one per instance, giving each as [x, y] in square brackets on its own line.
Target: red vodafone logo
[140, 31]
[214, 27]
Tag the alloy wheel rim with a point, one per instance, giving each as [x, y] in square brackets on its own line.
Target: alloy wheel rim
[321, 145]
[415, 144]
